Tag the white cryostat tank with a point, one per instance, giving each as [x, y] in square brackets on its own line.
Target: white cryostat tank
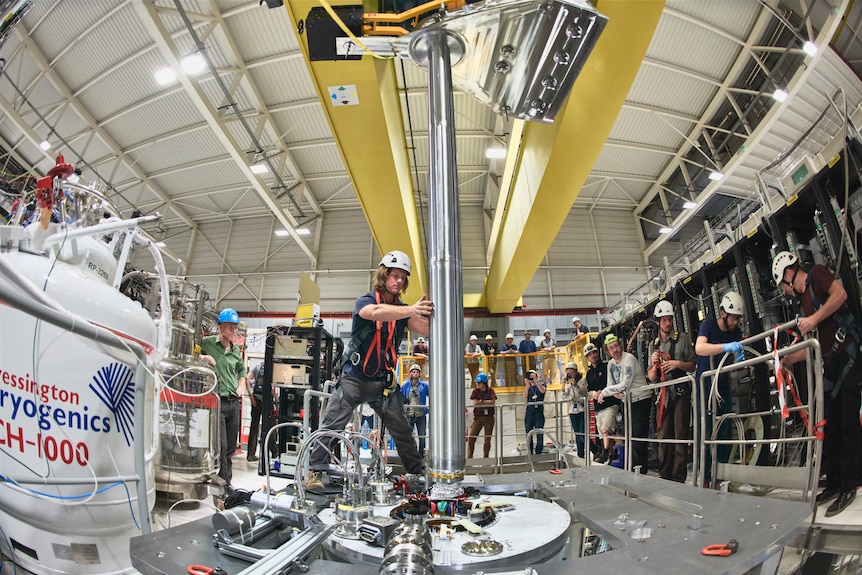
[68, 500]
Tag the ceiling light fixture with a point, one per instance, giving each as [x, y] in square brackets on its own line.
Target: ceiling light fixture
[193, 64]
[282, 233]
[664, 230]
[45, 145]
[779, 95]
[160, 244]
[715, 175]
[689, 205]
[165, 76]
[303, 231]
[258, 169]
[495, 153]
[809, 48]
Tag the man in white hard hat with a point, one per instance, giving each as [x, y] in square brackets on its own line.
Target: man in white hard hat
[416, 392]
[715, 338]
[672, 357]
[420, 353]
[548, 347]
[509, 351]
[473, 355]
[379, 321]
[579, 329]
[823, 300]
[491, 349]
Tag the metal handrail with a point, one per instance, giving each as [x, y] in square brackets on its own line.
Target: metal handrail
[814, 369]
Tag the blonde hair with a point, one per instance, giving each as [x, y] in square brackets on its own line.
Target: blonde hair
[382, 275]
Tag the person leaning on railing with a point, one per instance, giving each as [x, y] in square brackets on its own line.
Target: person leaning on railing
[509, 351]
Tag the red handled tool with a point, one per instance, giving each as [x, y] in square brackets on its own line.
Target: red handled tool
[204, 570]
[721, 549]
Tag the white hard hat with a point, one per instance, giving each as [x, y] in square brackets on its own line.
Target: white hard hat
[781, 262]
[416, 367]
[576, 318]
[590, 348]
[732, 303]
[546, 331]
[472, 337]
[663, 309]
[420, 340]
[572, 365]
[398, 260]
[509, 336]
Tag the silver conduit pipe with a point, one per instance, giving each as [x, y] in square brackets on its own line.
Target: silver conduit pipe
[448, 456]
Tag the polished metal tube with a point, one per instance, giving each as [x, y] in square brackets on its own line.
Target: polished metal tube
[447, 446]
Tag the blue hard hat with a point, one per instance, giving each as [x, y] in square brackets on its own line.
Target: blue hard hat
[228, 315]
[482, 377]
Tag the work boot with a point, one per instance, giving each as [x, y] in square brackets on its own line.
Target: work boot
[314, 481]
[602, 457]
[252, 458]
[845, 498]
[828, 494]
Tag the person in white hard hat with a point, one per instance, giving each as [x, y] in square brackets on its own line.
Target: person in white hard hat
[823, 300]
[579, 329]
[416, 392]
[420, 353]
[509, 351]
[379, 321]
[715, 338]
[473, 355]
[547, 347]
[672, 357]
[491, 349]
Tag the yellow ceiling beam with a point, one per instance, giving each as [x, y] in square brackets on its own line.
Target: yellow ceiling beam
[370, 137]
[554, 160]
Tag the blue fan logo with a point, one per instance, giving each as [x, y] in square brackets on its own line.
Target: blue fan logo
[113, 385]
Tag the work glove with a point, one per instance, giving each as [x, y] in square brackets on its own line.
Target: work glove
[732, 347]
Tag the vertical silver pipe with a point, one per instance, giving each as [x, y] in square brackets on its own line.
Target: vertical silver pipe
[447, 447]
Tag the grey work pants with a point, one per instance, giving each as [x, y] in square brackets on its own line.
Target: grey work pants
[352, 392]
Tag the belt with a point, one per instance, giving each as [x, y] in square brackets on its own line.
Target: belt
[229, 398]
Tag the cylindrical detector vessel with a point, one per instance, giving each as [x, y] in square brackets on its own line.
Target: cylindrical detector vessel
[188, 425]
[67, 407]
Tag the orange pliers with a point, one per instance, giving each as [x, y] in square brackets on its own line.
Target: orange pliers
[722, 549]
[204, 570]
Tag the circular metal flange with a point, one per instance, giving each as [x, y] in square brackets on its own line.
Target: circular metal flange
[486, 548]
[548, 531]
[418, 48]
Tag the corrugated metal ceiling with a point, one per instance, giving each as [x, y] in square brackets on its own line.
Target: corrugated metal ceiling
[156, 143]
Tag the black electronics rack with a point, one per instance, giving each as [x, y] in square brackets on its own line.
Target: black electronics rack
[297, 359]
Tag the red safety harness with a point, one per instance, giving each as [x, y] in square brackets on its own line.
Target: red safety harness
[783, 379]
[385, 351]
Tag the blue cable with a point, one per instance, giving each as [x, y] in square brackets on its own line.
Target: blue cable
[84, 496]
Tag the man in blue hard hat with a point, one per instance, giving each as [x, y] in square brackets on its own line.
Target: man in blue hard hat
[222, 352]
